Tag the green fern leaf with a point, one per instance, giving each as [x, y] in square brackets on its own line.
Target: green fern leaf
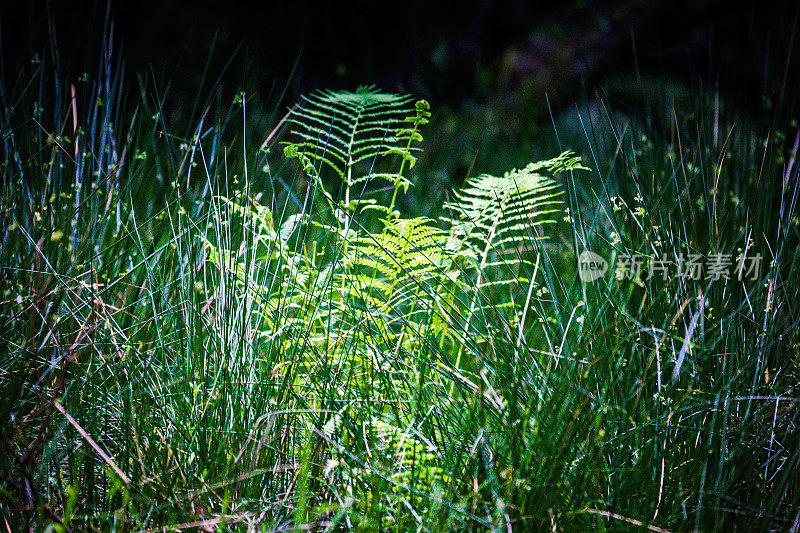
[496, 224]
[338, 129]
[496, 216]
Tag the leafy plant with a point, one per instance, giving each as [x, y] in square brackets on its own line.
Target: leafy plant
[194, 333]
[341, 131]
[376, 303]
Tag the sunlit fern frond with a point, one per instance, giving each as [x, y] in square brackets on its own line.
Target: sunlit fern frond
[497, 222]
[497, 217]
[399, 270]
[406, 249]
[337, 130]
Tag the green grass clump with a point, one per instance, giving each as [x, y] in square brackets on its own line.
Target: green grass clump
[200, 331]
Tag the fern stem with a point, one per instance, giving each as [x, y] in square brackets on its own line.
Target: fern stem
[397, 182]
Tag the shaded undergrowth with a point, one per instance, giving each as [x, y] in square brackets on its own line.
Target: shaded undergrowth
[199, 332]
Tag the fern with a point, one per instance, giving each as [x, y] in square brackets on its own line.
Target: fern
[497, 219]
[399, 271]
[496, 223]
[338, 130]
[491, 214]
[391, 309]
[408, 249]
[369, 289]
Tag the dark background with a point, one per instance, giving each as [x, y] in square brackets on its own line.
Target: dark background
[454, 53]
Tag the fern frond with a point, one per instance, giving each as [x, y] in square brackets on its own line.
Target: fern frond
[338, 129]
[406, 249]
[496, 222]
[493, 214]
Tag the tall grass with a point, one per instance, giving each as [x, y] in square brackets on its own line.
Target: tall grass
[145, 384]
